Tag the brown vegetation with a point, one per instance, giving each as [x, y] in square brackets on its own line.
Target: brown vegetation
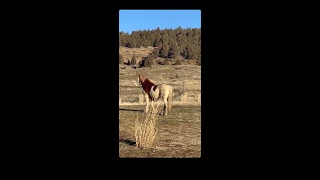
[146, 128]
[171, 57]
[179, 133]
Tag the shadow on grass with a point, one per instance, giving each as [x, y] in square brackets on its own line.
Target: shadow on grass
[121, 109]
[129, 142]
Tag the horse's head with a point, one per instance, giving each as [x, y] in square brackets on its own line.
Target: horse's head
[139, 80]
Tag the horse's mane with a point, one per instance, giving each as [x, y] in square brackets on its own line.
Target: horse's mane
[147, 84]
[145, 80]
[148, 81]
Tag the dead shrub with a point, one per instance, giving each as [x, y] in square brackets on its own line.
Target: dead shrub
[146, 128]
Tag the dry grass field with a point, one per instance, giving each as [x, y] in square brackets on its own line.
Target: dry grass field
[179, 133]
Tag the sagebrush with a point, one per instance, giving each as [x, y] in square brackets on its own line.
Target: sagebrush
[146, 128]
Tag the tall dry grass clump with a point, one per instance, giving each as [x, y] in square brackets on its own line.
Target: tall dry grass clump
[146, 128]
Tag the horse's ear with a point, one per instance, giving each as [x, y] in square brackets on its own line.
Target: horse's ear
[142, 78]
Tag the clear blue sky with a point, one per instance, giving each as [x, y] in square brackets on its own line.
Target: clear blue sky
[132, 20]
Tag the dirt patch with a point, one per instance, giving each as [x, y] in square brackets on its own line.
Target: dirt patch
[179, 133]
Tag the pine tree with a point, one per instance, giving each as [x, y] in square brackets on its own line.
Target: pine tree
[120, 59]
[186, 53]
[133, 60]
[146, 43]
[174, 51]
[156, 42]
[163, 52]
[155, 53]
[147, 61]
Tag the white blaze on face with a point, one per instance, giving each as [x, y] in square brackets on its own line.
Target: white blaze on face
[137, 82]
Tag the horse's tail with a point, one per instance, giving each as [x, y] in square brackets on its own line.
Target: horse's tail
[170, 99]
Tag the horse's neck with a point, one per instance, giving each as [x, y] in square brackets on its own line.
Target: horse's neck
[146, 85]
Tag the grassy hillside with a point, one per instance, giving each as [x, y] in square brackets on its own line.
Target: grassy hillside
[142, 52]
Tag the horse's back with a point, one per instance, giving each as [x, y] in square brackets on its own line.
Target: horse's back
[164, 88]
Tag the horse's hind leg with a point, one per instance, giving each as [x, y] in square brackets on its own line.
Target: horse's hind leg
[165, 108]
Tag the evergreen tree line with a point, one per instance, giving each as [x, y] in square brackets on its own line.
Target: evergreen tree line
[170, 43]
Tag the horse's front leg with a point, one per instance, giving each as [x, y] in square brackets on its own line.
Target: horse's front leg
[152, 105]
[147, 103]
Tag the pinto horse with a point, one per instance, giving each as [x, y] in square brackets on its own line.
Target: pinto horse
[155, 93]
